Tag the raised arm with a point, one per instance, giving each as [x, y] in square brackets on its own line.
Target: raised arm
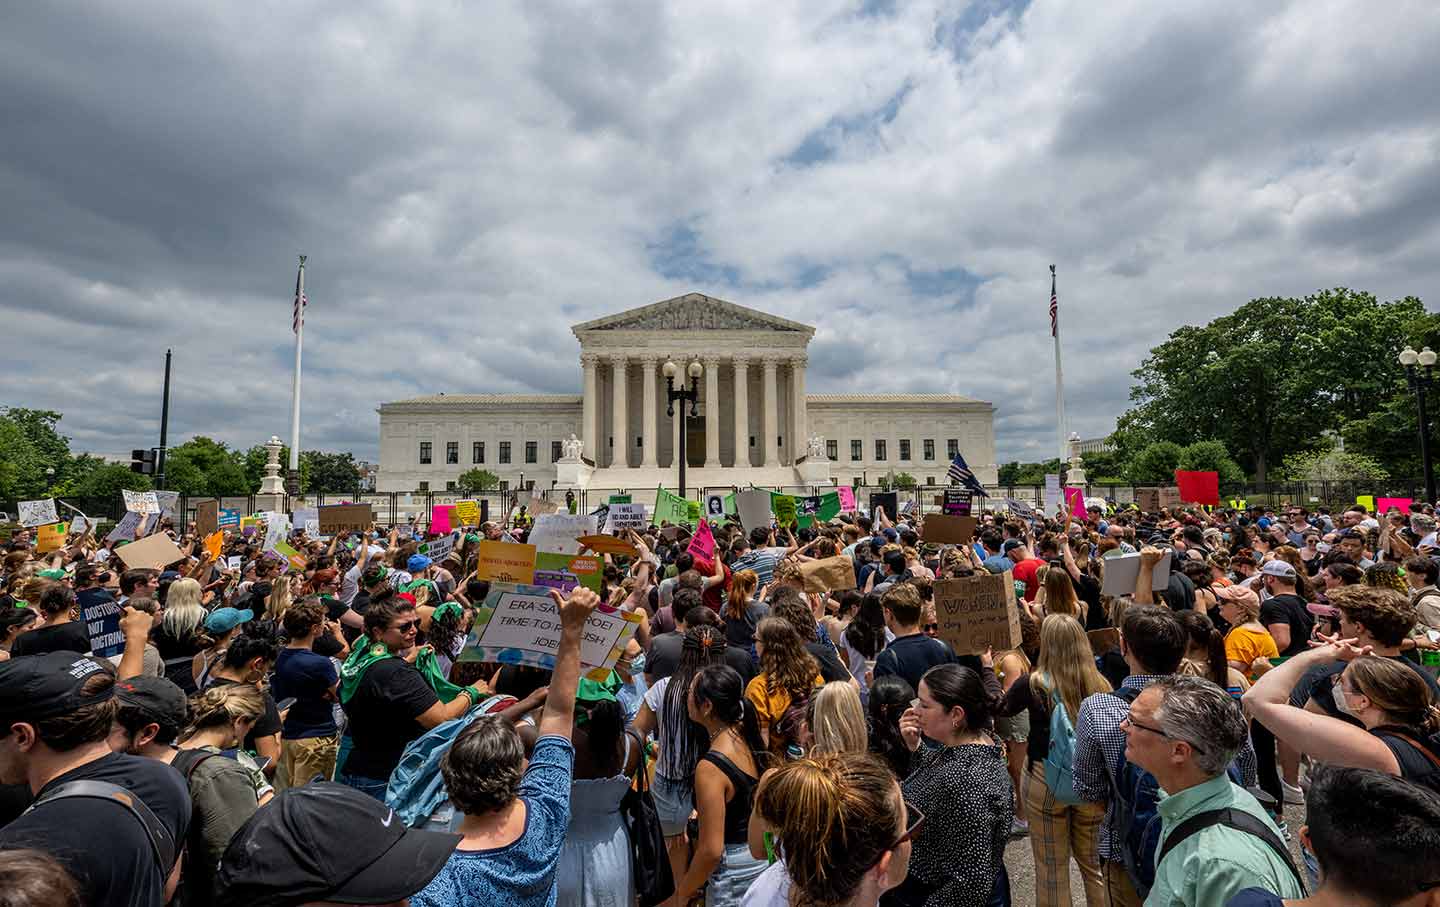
[559, 715]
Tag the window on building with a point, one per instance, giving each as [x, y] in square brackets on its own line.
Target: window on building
[952, 448]
[504, 451]
[929, 480]
[857, 451]
[639, 441]
[832, 450]
[424, 486]
[449, 486]
[752, 440]
[477, 452]
[904, 448]
[880, 450]
[424, 452]
[452, 452]
[928, 448]
[531, 451]
[554, 451]
[779, 441]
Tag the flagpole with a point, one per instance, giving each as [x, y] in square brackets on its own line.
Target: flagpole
[1059, 378]
[295, 384]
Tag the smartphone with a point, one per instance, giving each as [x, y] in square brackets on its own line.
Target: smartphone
[285, 703]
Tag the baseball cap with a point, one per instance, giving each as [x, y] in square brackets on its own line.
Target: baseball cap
[223, 620]
[1010, 545]
[154, 697]
[33, 687]
[1237, 594]
[326, 841]
[417, 563]
[1278, 568]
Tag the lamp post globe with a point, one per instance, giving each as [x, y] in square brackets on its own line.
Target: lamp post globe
[1408, 356]
[1426, 357]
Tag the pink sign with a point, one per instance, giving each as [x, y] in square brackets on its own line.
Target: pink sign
[702, 545]
[1383, 505]
[440, 518]
[847, 497]
[1075, 497]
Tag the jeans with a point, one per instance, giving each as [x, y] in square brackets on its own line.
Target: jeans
[373, 787]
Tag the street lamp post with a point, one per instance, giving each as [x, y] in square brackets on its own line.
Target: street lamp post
[1420, 381]
[685, 394]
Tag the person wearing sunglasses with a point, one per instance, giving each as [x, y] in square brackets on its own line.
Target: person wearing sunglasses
[842, 829]
[387, 699]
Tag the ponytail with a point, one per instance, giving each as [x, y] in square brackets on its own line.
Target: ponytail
[1219, 664]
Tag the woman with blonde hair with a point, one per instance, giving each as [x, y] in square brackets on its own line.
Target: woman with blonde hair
[181, 635]
[788, 676]
[837, 720]
[1060, 829]
[1057, 593]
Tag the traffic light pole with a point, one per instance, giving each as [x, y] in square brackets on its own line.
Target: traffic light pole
[164, 427]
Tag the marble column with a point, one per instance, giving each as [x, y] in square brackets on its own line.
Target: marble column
[620, 430]
[588, 429]
[650, 442]
[799, 431]
[772, 415]
[712, 410]
[742, 411]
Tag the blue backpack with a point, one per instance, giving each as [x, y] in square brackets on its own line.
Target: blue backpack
[1060, 761]
[417, 791]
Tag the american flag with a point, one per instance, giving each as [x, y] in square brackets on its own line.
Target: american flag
[1054, 305]
[299, 316]
[959, 472]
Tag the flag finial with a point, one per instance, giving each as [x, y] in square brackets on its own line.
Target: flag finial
[1052, 267]
[303, 257]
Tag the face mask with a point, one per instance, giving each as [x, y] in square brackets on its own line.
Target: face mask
[637, 664]
[1341, 702]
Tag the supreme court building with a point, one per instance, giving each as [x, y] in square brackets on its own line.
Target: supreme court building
[755, 422]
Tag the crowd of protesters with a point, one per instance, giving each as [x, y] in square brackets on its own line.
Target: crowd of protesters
[278, 734]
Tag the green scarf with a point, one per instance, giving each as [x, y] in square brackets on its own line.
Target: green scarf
[353, 670]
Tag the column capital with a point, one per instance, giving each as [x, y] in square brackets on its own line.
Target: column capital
[740, 360]
[649, 361]
[799, 361]
[618, 358]
[710, 362]
[590, 359]
[770, 361]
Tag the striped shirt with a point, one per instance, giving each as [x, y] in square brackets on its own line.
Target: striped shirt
[760, 560]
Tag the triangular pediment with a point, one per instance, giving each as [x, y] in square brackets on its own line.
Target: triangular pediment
[693, 312]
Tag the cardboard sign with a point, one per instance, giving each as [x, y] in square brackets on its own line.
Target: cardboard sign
[754, 508]
[956, 502]
[564, 572]
[889, 500]
[558, 533]
[50, 537]
[519, 624]
[783, 506]
[38, 513]
[440, 518]
[154, 551]
[140, 501]
[345, 518]
[674, 533]
[625, 516]
[1170, 498]
[229, 518]
[847, 498]
[978, 613]
[1383, 505]
[506, 562]
[1122, 570]
[1147, 499]
[715, 507]
[467, 513]
[81, 524]
[944, 529]
[213, 542]
[207, 517]
[829, 574]
[608, 544]
[1198, 486]
[102, 625]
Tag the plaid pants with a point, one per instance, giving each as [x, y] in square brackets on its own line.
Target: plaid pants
[1059, 831]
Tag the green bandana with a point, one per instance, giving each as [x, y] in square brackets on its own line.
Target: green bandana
[449, 609]
[54, 573]
[354, 667]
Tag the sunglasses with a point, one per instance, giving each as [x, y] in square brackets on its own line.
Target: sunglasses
[914, 821]
[406, 626]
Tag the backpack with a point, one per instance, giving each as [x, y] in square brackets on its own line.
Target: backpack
[185, 762]
[1060, 760]
[1240, 821]
[416, 790]
[162, 844]
[1417, 760]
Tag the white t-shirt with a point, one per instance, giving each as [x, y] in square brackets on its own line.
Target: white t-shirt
[771, 888]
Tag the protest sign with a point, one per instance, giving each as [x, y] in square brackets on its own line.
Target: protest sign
[1075, 501]
[102, 626]
[540, 508]
[519, 624]
[715, 507]
[783, 506]
[154, 551]
[38, 513]
[207, 517]
[944, 529]
[437, 548]
[229, 518]
[125, 529]
[702, 546]
[1367, 501]
[956, 502]
[81, 524]
[234, 562]
[1198, 486]
[1383, 505]
[674, 533]
[248, 525]
[558, 532]
[1122, 570]
[307, 518]
[50, 537]
[141, 501]
[167, 501]
[1020, 508]
[626, 516]
[1170, 498]
[619, 499]
[277, 529]
[978, 613]
[608, 544]
[829, 574]
[1053, 498]
[563, 571]
[889, 500]
[754, 508]
[213, 541]
[294, 558]
[1147, 499]
[506, 562]
[671, 508]
[467, 513]
[847, 498]
[345, 518]
[440, 518]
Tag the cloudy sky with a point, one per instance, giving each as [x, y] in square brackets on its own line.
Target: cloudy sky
[469, 179]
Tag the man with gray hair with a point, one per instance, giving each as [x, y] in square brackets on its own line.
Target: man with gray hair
[1215, 838]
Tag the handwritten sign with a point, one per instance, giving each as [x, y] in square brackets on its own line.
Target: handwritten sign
[50, 537]
[167, 501]
[608, 544]
[1170, 497]
[102, 625]
[559, 533]
[126, 528]
[467, 513]
[345, 518]
[829, 574]
[519, 624]
[847, 498]
[944, 529]
[625, 516]
[81, 524]
[207, 517]
[702, 546]
[978, 613]
[506, 562]
[141, 501]
[437, 548]
[38, 513]
[783, 505]
[154, 551]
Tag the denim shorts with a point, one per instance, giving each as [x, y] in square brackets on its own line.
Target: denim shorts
[674, 802]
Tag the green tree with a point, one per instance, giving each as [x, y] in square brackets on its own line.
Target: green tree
[330, 473]
[203, 466]
[1211, 456]
[472, 480]
[1156, 464]
[106, 481]
[29, 445]
[252, 462]
[1103, 467]
[1331, 466]
[904, 480]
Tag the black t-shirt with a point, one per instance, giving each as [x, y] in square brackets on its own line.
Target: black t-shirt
[664, 657]
[831, 668]
[391, 695]
[1289, 609]
[308, 677]
[741, 631]
[66, 637]
[269, 723]
[102, 845]
[1179, 594]
[909, 657]
[1088, 591]
[1318, 684]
